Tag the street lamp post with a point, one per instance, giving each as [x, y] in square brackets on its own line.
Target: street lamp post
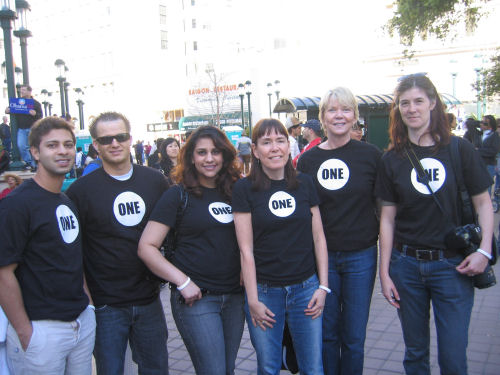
[45, 102]
[66, 101]
[61, 79]
[454, 78]
[269, 94]
[7, 15]
[23, 34]
[248, 88]
[241, 92]
[80, 104]
[18, 72]
[277, 92]
[478, 92]
[277, 89]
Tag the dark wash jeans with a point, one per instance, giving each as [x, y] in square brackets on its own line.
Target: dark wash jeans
[211, 330]
[146, 330]
[452, 295]
[351, 275]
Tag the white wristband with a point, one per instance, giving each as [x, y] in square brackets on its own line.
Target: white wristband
[487, 255]
[179, 288]
[325, 288]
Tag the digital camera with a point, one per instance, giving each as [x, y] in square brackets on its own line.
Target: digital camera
[466, 240]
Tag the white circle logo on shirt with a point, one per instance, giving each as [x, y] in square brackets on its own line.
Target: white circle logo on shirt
[68, 223]
[220, 211]
[129, 208]
[282, 204]
[333, 174]
[435, 172]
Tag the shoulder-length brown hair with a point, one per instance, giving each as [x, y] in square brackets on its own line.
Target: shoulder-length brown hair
[260, 181]
[186, 174]
[439, 129]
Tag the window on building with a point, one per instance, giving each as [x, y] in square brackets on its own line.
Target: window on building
[279, 43]
[193, 23]
[163, 14]
[195, 46]
[164, 39]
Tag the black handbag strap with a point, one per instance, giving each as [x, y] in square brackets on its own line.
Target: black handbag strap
[415, 162]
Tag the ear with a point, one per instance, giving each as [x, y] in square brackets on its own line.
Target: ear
[95, 144]
[35, 152]
[433, 104]
[255, 151]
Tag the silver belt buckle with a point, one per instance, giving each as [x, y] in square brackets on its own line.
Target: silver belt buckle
[420, 253]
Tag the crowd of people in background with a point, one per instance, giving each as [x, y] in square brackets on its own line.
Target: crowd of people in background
[283, 229]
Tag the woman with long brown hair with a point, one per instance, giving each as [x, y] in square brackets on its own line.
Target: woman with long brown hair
[204, 272]
[417, 264]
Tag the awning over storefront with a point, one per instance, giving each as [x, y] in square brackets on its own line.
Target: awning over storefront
[311, 103]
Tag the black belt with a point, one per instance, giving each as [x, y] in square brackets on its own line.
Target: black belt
[424, 254]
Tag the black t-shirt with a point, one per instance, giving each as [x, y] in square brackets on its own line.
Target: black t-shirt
[39, 231]
[207, 250]
[345, 180]
[113, 215]
[283, 245]
[419, 222]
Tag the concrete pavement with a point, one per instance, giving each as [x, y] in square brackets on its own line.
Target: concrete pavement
[384, 349]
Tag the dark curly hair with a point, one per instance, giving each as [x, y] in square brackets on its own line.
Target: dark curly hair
[185, 173]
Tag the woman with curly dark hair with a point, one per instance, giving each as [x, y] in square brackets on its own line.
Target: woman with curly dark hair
[204, 272]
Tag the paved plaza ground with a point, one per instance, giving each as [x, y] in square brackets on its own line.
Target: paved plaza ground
[384, 347]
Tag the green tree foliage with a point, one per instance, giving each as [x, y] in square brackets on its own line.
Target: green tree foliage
[432, 17]
[424, 18]
[490, 85]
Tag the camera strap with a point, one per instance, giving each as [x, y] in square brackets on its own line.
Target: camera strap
[467, 209]
[415, 162]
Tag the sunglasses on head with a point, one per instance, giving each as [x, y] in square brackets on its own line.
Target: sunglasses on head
[108, 139]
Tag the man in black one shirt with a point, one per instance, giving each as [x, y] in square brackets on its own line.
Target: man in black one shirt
[114, 203]
[52, 325]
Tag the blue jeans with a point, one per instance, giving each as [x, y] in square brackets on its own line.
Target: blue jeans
[452, 295]
[491, 171]
[211, 330]
[351, 275]
[288, 303]
[7, 144]
[145, 328]
[24, 146]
